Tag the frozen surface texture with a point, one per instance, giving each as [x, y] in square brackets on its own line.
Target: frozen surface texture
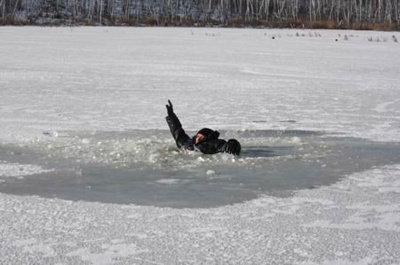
[353, 222]
[54, 80]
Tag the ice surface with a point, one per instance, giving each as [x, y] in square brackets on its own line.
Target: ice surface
[54, 80]
[19, 170]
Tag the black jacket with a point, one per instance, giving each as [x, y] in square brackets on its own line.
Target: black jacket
[210, 145]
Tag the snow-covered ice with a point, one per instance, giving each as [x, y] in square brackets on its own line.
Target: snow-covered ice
[57, 83]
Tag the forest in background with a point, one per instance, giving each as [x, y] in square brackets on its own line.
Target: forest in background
[355, 14]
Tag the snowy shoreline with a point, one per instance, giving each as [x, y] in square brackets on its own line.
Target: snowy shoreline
[54, 80]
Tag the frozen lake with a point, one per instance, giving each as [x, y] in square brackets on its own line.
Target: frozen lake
[90, 174]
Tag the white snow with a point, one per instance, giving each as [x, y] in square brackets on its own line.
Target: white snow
[113, 79]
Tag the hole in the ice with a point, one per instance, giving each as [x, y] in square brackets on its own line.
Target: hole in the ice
[144, 167]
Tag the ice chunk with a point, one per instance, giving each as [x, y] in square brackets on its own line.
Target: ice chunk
[210, 172]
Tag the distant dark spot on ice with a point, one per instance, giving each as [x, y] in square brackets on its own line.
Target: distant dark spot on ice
[289, 121]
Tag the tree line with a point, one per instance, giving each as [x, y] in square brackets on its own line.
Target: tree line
[293, 13]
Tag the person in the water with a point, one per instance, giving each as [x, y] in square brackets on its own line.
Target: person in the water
[205, 140]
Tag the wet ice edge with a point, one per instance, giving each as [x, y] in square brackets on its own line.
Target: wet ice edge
[355, 218]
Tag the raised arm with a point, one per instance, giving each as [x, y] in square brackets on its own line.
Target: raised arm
[181, 138]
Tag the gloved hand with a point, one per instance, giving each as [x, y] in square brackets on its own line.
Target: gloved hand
[233, 147]
[170, 109]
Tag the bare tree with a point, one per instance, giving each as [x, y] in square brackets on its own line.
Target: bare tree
[222, 11]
